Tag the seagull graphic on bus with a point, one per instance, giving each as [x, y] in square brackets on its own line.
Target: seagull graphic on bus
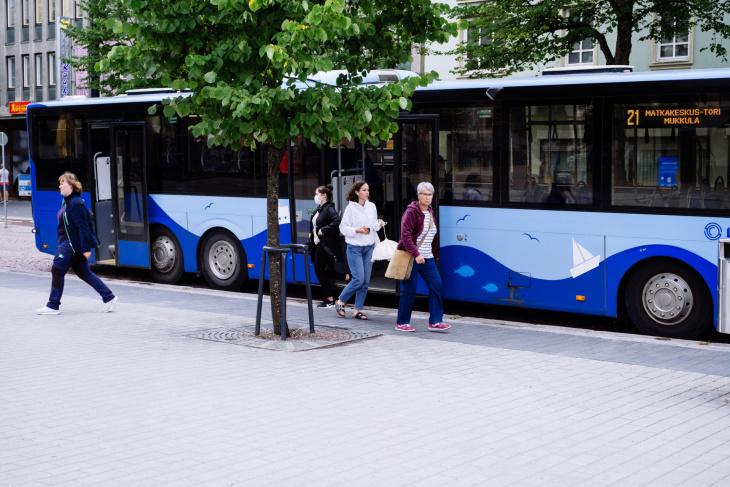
[583, 261]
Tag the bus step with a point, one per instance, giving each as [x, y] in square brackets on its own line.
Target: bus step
[113, 250]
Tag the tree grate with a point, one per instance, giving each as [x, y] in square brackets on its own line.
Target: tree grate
[301, 340]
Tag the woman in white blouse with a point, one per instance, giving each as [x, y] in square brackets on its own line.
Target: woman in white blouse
[359, 226]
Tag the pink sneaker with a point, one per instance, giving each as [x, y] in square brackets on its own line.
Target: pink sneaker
[438, 327]
[404, 328]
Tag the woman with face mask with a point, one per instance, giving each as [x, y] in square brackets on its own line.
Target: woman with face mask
[324, 241]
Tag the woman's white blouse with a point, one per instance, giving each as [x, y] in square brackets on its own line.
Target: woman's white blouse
[358, 216]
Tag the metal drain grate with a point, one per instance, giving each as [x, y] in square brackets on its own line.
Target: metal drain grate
[325, 336]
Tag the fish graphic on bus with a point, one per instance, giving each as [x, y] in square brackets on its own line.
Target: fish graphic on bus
[464, 271]
[490, 287]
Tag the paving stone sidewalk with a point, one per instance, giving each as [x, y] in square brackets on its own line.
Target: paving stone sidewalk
[129, 398]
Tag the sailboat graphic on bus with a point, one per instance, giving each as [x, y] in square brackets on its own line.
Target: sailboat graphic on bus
[583, 261]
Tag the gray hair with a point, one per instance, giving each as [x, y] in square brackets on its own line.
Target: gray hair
[425, 185]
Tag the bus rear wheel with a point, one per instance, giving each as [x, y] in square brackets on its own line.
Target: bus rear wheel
[669, 299]
[223, 262]
[167, 260]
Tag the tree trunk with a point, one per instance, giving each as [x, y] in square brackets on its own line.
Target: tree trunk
[624, 29]
[273, 157]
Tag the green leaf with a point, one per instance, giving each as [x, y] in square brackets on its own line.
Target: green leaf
[168, 111]
[270, 51]
[210, 76]
[179, 85]
[367, 116]
[403, 102]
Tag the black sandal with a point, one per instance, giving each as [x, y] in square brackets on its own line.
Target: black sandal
[360, 316]
[340, 308]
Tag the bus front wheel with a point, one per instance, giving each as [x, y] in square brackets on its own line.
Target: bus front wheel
[222, 262]
[167, 259]
[669, 299]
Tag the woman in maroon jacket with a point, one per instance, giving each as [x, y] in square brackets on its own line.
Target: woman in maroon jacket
[418, 225]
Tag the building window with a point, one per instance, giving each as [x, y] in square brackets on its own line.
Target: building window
[582, 53]
[39, 70]
[477, 36]
[11, 73]
[51, 75]
[26, 12]
[51, 69]
[675, 48]
[10, 7]
[11, 79]
[79, 11]
[51, 10]
[39, 77]
[26, 71]
[67, 8]
[38, 11]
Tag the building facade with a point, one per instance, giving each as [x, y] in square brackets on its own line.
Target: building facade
[29, 32]
[682, 52]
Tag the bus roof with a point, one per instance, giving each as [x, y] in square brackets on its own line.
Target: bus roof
[106, 100]
[377, 76]
[583, 79]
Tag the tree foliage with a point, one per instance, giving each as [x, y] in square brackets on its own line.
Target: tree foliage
[515, 35]
[99, 40]
[242, 59]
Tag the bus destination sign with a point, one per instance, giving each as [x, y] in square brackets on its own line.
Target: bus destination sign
[675, 117]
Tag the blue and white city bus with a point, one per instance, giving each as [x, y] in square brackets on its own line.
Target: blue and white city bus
[601, 194]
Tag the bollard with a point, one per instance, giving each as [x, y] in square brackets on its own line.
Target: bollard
[282, 251]
[304, 250]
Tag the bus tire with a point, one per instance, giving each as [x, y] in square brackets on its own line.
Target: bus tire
[166, 255]
[668, 298]
[223, 261]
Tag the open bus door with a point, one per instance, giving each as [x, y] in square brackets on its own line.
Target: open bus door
[392, 170]
[415, 161]
[120, 196]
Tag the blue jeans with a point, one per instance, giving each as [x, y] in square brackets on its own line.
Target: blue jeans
[66, 258]
[430, 274]
[358, 258]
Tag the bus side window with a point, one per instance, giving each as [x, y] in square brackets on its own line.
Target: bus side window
[551, 155]
[465, 161]
[667, 163]
[58, 147]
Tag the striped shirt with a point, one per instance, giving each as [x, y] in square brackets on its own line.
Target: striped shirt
[426, 250]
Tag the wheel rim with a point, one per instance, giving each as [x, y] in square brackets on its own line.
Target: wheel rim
[667, 299]
[222, 259]
[164, 254]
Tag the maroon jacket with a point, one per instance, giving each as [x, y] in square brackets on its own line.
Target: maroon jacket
[411, 226]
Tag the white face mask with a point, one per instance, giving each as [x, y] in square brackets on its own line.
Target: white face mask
[318, 199]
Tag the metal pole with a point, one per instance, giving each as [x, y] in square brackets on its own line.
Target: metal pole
[261, 293]
[309, 289]
[284, 326]
[339, 180]
[5, 195]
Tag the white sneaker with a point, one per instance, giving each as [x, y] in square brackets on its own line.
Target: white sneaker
[47, 311]
[110, 305]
